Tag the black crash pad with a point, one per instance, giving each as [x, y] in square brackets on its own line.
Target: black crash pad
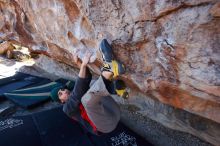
[49, 128]
[17, 76]
[19, 80]
[29, 97]
[54, 128]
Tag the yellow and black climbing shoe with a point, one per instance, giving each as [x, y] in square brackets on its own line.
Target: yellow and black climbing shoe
[121, 89]
[115, 67]
[106, 51]
[110, 64]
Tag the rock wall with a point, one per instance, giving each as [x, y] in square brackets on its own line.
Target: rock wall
[170, 48]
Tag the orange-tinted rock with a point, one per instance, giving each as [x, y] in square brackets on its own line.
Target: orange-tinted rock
[215, 10]
[4, 47]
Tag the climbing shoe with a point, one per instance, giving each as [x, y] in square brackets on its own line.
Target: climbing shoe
[106, 50]
[121, 89]
[115, 67]
[110, 64]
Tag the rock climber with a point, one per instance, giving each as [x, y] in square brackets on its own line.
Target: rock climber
[93, 107]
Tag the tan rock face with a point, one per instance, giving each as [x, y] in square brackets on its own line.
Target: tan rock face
[215, 10]
[170, 48]
[4, 47]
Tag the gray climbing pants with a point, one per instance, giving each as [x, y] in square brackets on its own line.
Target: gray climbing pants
[101, 108]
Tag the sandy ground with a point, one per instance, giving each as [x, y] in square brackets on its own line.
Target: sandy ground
[9, 67]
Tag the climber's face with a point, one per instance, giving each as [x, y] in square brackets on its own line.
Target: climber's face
[63, 95]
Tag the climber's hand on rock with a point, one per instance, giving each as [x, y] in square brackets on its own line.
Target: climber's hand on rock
[86, 58]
